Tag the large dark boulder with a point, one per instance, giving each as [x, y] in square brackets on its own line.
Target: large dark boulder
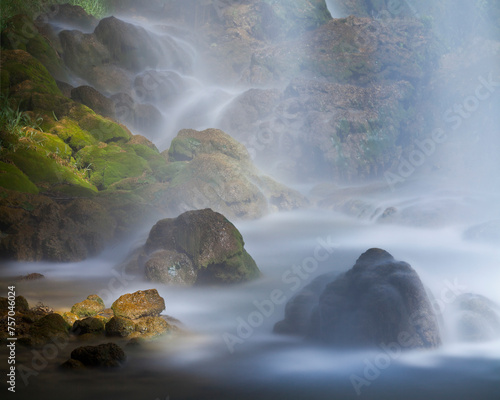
[198, 247]
[378, 301]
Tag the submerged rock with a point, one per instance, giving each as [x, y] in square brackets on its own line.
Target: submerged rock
[104, 355]
[378, 301]
[476, 318]
[200, 247]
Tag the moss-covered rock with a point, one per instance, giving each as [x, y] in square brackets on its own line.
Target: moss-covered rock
[36, 228]
[22, 34]
[170, 267]
[211, 169]
[111, 163]
[50, 327]
[152, 327]
[142, 303]
[210, 241]
[19, 66]
[87, 325]
[13, 178]
[120, 326]
[190, 143]
[89, 307]
[46, 171]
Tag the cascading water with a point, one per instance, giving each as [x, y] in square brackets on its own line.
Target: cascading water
[429, 220]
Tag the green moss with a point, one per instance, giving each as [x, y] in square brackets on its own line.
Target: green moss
[111, 163]
[13, 178]
[71, 133]
[23, 35]
[46, 171]
[102, 129]
[48, 327]
[23, 67]
[183, 148]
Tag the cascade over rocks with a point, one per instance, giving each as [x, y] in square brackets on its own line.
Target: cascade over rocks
[214, 170]
[378, 301]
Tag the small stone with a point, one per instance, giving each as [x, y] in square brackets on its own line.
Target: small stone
[88, 307]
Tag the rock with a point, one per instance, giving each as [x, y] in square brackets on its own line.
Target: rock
[120, 326]
[476, 318]
[378, 301]
[72, 364]
[93, 99]
[152, 327]
[212, 243]
[89, 307]
[32, 277]
[170, 267]
[87, 325]
[22, 34]
[69, 16]
[47, 328]
[210, 169]
[104, 355]
[20, 303]
[142, 303]
[69, 317]
[300, 308]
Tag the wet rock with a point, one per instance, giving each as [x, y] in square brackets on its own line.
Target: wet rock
[32, 277]
[120, 326]
[378, 301]
[20, 302]
[170, 267]
[89, 307]
[142, 303]
[72, 364]
[300, 308]
[69, 16]
[210, 241]
[213, 170]
[22, 34]
[104, 355]
[152, 327]
[93, 99]
[90, 325]
[69, 317]
[476, 318]
[47, 328]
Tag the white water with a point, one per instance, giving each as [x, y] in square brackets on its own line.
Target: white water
[270, 365]
[201, 365]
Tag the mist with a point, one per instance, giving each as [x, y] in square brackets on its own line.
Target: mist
[383, 116]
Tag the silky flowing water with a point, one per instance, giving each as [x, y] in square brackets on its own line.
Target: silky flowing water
[228, 350]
